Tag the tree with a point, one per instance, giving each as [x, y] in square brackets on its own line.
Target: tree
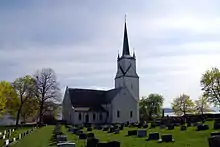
[153, 104]
[6, 93]
[182, 105]
[29, 110]
[47, 88]
[143, 109]
[25, 87]
[201, 105]
[210, 83]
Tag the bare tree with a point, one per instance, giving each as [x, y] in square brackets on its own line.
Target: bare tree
[47, 88]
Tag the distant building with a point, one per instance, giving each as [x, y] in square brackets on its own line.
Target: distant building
[120, 104]
[6, 119]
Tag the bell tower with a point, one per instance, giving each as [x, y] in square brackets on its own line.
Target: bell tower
[126, 75]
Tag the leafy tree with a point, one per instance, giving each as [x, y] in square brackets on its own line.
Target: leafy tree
[210, 83]
[153, 104]
[201, 105]
[29, 110]
[143, 109]
[25, 87]
[182, 105]
[47, 89]
[7, 93]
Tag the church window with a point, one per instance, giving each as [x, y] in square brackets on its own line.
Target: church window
[93, 116]
[100, 117]
[80, 116]
[131, 86]
[131, 114]
[107, 114]
[118, 113]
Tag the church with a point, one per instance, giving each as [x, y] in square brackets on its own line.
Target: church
[118, 105]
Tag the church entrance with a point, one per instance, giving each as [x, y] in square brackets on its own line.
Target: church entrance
[87, 118]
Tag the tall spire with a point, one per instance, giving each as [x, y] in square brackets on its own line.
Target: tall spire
[125, 43]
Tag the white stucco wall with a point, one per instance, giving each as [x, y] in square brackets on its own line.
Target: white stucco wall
[66, 107]
[124, 103]
[75, 117]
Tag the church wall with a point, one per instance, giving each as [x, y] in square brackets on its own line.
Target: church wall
[97, 119]
[66, 107]
[124, 103]
[133, 86]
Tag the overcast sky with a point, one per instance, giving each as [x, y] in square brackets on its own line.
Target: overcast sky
[175, 41]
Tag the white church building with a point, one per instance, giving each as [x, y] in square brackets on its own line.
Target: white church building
[118, 105]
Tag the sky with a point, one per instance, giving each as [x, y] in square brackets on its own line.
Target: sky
[175, 42]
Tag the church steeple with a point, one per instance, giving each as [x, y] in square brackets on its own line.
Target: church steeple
[125, 43]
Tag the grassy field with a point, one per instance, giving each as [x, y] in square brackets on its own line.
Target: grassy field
[188, 138]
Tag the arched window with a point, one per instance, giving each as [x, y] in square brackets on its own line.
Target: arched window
[93, 116]
[80, 116]
[118, 113]
[131, 114]
[107, 114]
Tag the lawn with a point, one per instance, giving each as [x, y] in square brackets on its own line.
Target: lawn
[188, 138]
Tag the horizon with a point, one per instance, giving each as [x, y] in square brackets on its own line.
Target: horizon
[174, 42]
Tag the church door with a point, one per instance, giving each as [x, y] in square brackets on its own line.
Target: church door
[87, 118]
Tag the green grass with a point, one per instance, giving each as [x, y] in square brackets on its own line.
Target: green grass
[188, 138]
[15, 134]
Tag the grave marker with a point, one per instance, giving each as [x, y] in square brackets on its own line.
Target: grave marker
[214, 141]
[154, 136]
[141, 133]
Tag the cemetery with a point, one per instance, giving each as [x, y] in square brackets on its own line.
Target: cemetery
[123, 135]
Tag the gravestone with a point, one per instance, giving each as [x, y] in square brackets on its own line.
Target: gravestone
[121, 127]
[170, 127]
[132, 132]
[13, 130]
[154, 136]
[215, 134]
[99, 144]
[116, 131]
[105, 128]
[166, 138]
[216, 125]
[82, 136]
[141, 133]
[6, 142]
[92, 142]
[14, 139]
[214, 141]
[3, 137]
[61, 138]
[145, 125]
[113, 144]
[162, 127]
[183, 128]
[90, 136]
[5, 132]
[112, 129]
[66, 144]
[19, 136]
[202, 127]
[152, 125]
[0, 133]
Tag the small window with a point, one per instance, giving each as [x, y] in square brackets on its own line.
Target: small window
[100, 116]
[131, 114]
[131, 86]
[107, 114]
[118, 114]
[80, 117]
[93, 116]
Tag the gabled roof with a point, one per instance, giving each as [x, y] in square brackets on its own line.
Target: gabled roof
[90, 97]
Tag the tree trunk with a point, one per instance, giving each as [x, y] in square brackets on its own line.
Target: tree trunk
[41, 112]
[18, 115]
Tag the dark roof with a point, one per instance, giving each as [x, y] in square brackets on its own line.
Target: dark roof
[125, 43]
[90, 97]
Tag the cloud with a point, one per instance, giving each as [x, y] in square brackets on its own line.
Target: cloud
[174, 41]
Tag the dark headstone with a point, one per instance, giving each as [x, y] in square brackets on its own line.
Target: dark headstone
[61, 138]
[202, 127]
[102, 144]
[217, 125]
[92, 142]
[215, 134]
[145, 125]
[166, 138]
[214, 141]
[90, 136]
[105, 128]
[154, 136]
[152, 125]
[163, 126]
[82, 136]
[141, 133]
[183, 128]
[89, 129]
[113, 144]
[170, 127]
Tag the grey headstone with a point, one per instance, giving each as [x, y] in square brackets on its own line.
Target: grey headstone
[3, 137]
[0, 133]
[14, 139]
[19, 136]
[7, 142]
[142, 133]
[154, 136]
